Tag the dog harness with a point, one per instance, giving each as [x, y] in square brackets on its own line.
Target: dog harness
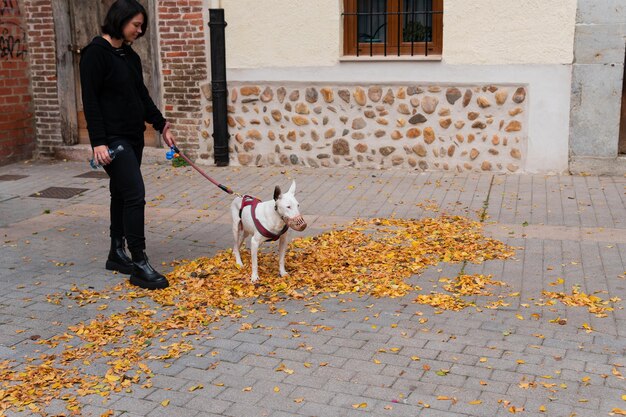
[252, 202]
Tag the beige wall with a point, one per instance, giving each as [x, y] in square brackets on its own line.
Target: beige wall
[509, 31]
[281, 33]
[305, 33]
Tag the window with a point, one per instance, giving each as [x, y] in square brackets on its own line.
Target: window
[393, 27]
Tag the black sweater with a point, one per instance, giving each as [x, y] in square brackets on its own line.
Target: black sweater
[115, 100]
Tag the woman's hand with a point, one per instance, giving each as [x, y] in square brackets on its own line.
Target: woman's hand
[101, 155]
[168, 138]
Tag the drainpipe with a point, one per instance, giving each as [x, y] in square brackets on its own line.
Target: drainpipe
[217, 27]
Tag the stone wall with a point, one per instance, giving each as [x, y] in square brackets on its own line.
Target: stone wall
[597, 77]
[423, 127]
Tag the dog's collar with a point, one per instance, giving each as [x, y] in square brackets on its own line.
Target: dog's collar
[252, 202]
[279, 215]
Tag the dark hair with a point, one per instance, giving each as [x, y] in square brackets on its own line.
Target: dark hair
[120, 13]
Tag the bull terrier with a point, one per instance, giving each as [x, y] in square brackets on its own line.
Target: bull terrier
[265, 221]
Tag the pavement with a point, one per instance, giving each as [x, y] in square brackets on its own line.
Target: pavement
[374, 356]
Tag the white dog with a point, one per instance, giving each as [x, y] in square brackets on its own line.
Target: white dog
[267, 220]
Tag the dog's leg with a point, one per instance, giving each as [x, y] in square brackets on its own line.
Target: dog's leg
[282, 248]
[255, 242]
[237, 229]
[238, 234]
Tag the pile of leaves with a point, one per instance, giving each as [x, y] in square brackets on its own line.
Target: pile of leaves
[577, 298]
[369, 257]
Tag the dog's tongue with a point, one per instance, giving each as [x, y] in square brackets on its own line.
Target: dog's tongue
[297, 223]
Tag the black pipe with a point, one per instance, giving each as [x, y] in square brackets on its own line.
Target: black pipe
[219, 88]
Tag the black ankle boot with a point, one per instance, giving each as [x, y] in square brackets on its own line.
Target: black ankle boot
[144, 275]
[118, 260]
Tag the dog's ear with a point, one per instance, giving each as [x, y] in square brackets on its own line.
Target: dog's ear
[277, 193]
[292, 189]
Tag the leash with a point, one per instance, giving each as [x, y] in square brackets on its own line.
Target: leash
[246, 199]
[175, 152]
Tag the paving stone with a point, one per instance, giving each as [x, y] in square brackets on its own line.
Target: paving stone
[556, 207]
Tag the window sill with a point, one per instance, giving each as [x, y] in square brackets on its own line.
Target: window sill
[375, 58]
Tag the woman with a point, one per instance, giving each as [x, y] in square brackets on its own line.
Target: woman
[117, 105]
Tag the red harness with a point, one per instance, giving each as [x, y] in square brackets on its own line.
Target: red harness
[252, 202]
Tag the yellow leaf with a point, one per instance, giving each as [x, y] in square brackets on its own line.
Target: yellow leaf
[475, 402]
[376, 361]
[111, 377]
[247, 389]
[542, 408]
[624, 397]
[520, 361]
[361, 405]
[482, 360]
[195, 387]
[276, 389]
[519, 316]
[618, 411]
[415, 358]
[298, 400]
[165, 403]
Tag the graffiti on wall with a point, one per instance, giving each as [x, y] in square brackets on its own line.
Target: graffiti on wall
[9, 8]
[12, 39]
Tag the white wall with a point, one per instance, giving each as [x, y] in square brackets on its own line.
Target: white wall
[516, 42]
[509, 31]
[301, 33]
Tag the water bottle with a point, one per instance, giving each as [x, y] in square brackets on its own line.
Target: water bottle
[112, 154]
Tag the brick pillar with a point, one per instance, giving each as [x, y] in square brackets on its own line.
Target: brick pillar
[17, 141]
[184, 67]
[42, 56]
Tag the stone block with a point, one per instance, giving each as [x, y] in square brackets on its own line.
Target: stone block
[596, 105]
[599, 44]
[595, 12]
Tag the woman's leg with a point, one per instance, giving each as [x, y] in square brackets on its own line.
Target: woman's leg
[127, 195]
[126, 179]
[117, 259]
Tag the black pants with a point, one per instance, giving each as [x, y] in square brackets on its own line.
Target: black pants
[128, 194]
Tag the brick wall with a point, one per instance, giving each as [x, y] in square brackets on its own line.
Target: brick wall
[34, 110]
[42, 56]
[17, 139]
[184, 66]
